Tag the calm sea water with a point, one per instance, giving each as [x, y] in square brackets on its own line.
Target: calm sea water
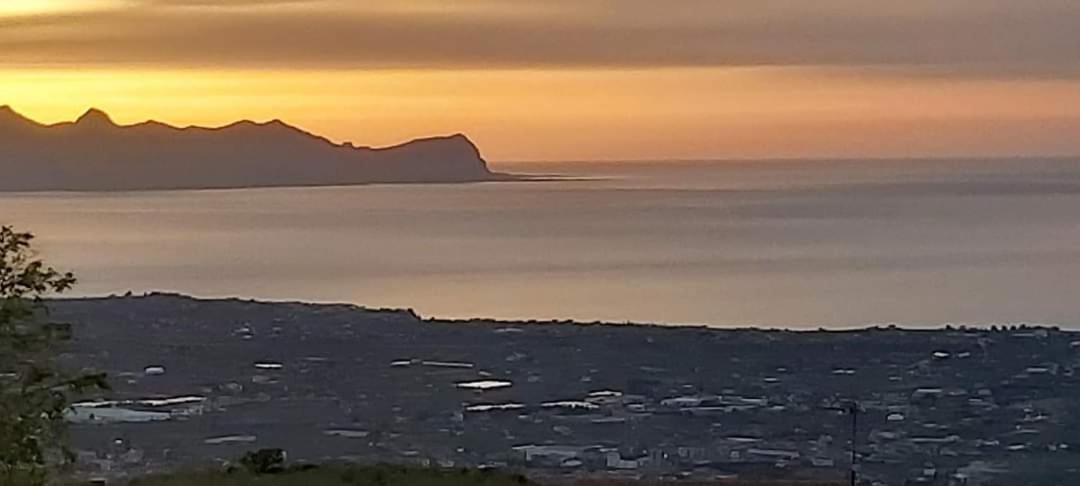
[793, 244]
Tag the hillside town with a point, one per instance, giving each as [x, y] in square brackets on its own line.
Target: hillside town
[200, 382]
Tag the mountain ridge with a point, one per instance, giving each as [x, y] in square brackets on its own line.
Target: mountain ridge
[94, 153]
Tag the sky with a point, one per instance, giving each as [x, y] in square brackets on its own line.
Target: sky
[572, 79]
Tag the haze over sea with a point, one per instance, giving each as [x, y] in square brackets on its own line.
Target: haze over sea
[796, 244]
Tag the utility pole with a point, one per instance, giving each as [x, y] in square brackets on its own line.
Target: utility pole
[852, 409]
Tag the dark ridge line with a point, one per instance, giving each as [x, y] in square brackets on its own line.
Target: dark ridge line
[101, 114]
[629, 325]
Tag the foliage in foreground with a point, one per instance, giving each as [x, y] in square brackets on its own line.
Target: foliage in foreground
[341, 475]
[34, 395]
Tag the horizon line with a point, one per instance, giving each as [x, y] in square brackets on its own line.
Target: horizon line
[868, 158]
[810, 158]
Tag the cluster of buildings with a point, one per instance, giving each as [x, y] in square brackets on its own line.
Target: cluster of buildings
[948, 406]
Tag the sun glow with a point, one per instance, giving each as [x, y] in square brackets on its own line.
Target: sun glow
[15, 8]
[591, 114]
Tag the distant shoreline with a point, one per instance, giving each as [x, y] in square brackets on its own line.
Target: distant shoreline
[490, 321]
[497, 179]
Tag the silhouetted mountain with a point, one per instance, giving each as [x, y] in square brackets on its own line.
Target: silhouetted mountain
[95, 154]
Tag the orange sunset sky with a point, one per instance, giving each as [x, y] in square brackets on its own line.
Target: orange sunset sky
[572, 79]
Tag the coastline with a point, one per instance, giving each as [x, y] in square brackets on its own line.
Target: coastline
[491, 321]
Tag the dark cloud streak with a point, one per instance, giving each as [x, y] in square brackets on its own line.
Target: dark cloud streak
[986, 38]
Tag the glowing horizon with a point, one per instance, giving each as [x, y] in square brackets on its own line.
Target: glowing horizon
[562, 80]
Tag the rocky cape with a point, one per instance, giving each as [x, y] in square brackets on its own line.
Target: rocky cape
[95, 154]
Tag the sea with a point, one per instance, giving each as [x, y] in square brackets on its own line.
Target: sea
[800, 244]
